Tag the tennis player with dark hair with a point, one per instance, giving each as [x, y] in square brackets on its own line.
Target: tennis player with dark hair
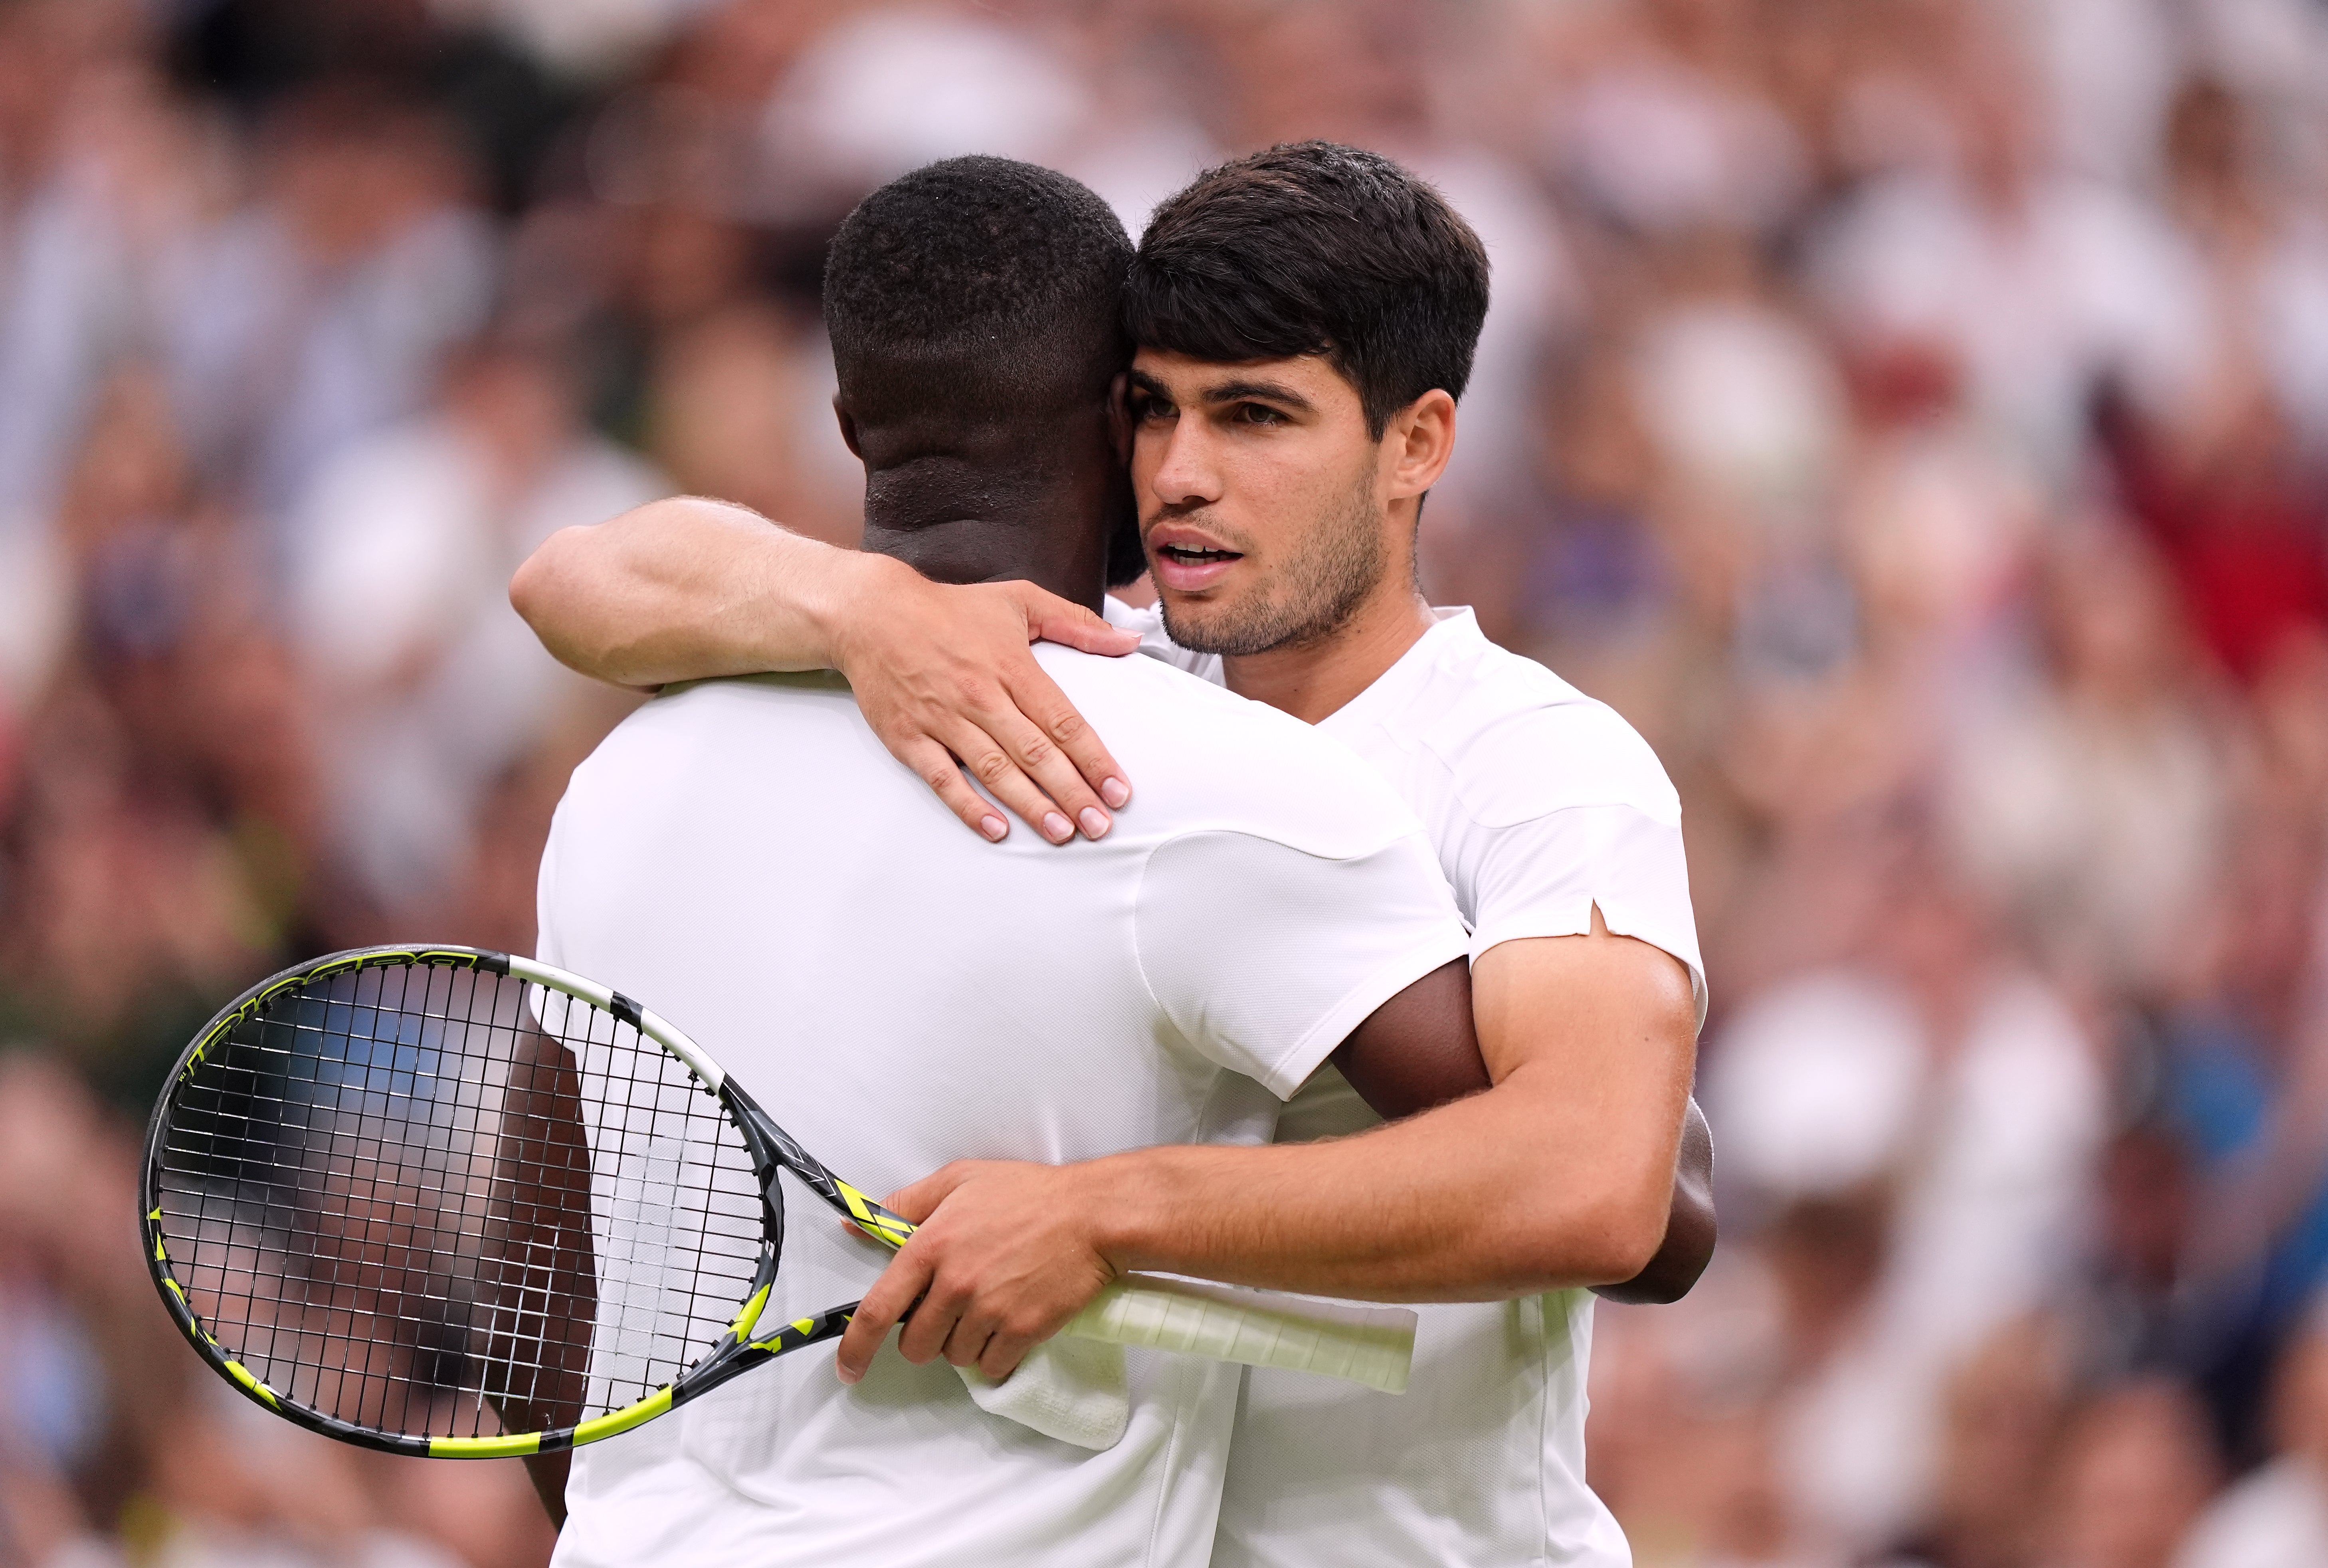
[1305, 322]
[746, 850]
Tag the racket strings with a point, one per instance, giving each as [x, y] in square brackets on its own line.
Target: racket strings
[432, 1201]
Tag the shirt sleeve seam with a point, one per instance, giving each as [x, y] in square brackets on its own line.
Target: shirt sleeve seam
[1355, 1006]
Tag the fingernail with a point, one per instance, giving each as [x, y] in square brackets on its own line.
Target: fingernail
[1056, 827]
[1094, 822]
[994, 828]
[1115, 792]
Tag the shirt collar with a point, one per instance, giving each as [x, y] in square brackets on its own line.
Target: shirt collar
[1395, 687]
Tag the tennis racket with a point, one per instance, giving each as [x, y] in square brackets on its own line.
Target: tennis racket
[444, 1201]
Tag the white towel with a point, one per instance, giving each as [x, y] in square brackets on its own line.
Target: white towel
[1068, 1388]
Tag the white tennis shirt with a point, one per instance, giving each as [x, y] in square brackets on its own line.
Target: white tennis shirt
[1541, 804]
[743, 857]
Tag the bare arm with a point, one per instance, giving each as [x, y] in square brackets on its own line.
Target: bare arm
[688, 588]
[1690, 1228]
[1562, 1175]
[538, 1273]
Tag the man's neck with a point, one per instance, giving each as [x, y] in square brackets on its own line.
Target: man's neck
[976, 549]
[1312, 681]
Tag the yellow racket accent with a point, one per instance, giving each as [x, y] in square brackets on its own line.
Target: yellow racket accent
[873, 1219]
[742, 1327]
[618, 1421]
[241, 1373]
[483, 1448]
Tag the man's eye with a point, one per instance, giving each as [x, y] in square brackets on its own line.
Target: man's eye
[1257, 414]
[1150, 409]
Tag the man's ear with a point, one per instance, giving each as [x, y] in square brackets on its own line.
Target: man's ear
[1119, 415]
[848, 428]
[1418, 442]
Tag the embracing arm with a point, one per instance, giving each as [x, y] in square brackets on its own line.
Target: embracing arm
[1690, 1228]
[1562, 1175]
[688, 588]
[1420, 1050]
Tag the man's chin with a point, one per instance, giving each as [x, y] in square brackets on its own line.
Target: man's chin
[1206, 626]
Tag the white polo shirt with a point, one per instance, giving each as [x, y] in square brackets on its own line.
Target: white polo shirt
[745, 858]
[1542, 803]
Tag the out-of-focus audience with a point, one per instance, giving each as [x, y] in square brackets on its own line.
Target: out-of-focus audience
[1911, 414]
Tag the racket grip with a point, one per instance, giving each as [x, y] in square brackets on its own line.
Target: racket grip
[1373, 1346]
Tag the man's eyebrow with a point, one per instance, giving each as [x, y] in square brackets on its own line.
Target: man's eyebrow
[1264, 391]
[1229, 392]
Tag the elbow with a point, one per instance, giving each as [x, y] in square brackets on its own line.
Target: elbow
[1591, 1239]
[550, 592]
[535, 583]
[1629, 1236]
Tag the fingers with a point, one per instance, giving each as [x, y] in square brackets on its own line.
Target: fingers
[1055, 620]
[1037, 763]
[1003, 1353]
[989, 760]
[932, 1324]
[1063, 752]
[905, 1279]
[919, 1200]
[962, 749]
[963, 702]
[937, 768]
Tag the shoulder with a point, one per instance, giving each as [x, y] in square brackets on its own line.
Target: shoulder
[702, 722]
[1213, 759]
[1519, 743]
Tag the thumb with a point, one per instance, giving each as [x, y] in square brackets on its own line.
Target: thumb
[1052, 619]
[920, 1200]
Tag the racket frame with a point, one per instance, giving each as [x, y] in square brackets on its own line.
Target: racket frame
[773, 1151]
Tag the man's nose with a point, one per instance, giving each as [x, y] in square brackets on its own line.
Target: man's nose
[1186, 473]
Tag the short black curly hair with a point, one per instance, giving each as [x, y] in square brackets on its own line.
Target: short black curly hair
[1314, 248]
[977, 290]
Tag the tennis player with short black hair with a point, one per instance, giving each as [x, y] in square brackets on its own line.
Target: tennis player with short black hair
[746, 850]
[1305, 321]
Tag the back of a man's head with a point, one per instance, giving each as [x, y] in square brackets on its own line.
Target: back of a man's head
[974, 294]
[1313, 247]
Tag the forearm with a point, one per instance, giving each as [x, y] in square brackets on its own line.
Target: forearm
[687, 589]
[1484, 1199]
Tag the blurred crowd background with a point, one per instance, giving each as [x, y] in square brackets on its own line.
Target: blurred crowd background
[1911, 414]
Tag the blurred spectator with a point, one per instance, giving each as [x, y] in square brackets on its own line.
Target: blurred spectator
[1910, 413]
[1921, 1125]
[430, 685]
[322, 311]
[2089, 800]
[2278, 1518]
[2134, 1471]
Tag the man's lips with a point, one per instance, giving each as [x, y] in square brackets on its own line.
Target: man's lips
[1186, 566]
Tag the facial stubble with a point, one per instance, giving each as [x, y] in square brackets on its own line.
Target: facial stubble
[1315, 595]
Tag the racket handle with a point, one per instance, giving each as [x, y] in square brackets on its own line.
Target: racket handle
[1373, 1346]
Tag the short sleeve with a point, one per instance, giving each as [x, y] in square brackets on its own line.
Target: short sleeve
[1265, 957]
[1542, 876]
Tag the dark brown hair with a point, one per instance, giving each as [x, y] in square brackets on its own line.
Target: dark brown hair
[1313, 247]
